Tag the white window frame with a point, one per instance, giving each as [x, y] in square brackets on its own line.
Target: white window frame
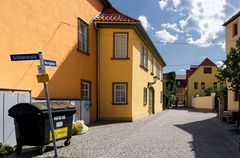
[87, 90]
[123, 88]
[120, 45]
[82, 35]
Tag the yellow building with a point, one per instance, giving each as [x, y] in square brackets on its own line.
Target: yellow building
[71, 33]
[128, 61]
[181, 92]
[64, 31]
[232, 29]
[199, 78]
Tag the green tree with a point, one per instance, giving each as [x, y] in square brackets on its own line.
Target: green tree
[229, 72]
[169, 88]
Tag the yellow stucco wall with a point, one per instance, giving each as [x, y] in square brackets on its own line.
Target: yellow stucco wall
[124, 71]
[181, 94]
[141, 79]
[199, 76]
[230, 39]
[114, 71]
[230, 42]
[49, 26]
[204, 102]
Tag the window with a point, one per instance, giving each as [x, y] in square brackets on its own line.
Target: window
[120, 45]
[202, 85]
[160, 72]
[82, 36]
[178, 83]
[214, 84]
[157, 70]
[144, 56]
[236, 98]
[119, 93]
[195, 85]
[152, 64]
[144, 96]
[85, 90]
[235, 29]
[207, 70]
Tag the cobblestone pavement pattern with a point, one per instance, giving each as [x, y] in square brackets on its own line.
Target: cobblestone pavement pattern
[169, 134]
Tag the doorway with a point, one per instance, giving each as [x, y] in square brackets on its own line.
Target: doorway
[151, 101]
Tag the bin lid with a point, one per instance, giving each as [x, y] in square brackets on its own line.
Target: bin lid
[41, 107]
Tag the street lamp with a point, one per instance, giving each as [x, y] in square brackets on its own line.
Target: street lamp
[155, 78]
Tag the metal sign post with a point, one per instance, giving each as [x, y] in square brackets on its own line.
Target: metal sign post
[42, 78]
[48, 105]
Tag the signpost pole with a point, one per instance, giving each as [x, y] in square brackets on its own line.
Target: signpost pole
[49, 108]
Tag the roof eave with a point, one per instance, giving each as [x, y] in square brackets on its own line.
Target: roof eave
[231, 19]
[138, 26]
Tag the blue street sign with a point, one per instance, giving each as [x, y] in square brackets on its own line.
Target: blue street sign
[17, 57]
[49, 63]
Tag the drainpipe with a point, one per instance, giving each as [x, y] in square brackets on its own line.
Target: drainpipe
[98, 72]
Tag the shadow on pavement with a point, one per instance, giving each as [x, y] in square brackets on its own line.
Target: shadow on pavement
[208, 142]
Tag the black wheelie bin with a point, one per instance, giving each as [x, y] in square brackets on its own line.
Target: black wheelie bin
[32, 126]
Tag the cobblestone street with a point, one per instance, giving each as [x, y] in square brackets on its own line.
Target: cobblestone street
[172, 133]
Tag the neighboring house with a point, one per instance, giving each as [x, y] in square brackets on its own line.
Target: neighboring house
[232, 27]
[199, 78]
[181, 92]
[128, 61]
[80, 39]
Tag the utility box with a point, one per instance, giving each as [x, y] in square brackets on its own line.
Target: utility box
[32, 124]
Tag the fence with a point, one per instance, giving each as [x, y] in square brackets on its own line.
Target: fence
[8, 98]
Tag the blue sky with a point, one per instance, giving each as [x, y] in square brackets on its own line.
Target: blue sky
[184, 31]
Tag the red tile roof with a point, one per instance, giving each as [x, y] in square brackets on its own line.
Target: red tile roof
[207, 62]
[110, 14]
[193, 68]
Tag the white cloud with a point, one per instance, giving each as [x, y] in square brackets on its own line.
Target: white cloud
[165, 36]
[223, 46]
[182, 70]
[144, 22]
[184, 23]
[171, 26]
[208, 17]
[163, 4]
[176, 3]
[219, 63]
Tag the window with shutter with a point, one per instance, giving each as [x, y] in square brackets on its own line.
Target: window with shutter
[142, 55]
[146, 58]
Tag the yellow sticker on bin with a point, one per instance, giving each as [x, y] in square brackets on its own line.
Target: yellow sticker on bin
[59, 133]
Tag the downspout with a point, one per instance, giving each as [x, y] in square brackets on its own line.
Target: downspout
[98, 71]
